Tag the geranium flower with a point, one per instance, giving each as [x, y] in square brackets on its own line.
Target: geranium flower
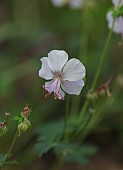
[75, 4]
[118, 25]
[66, 76]
[117, 3]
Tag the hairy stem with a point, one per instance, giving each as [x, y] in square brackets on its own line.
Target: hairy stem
[11, 147]
[98, 69]
[102, 59]
[66, 118]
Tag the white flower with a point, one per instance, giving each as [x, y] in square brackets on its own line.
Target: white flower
[75, 4]
[117, 3]
[58, 3]
[118, 25]
[66, 76]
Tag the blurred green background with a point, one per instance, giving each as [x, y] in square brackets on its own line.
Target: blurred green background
[29, 29]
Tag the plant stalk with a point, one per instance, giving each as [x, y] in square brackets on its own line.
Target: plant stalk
[10, 149]
[98, 69]
[66, 118]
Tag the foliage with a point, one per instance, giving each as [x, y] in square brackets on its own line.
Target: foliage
[12, 162]
[29, 30]
[73, 152]
[51, 138]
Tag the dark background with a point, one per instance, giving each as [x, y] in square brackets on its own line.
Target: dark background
[29, 29]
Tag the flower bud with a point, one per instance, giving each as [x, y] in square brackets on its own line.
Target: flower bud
[26, 112]
[3, 129]
[24, 126]
[103, 91]
[91, 96]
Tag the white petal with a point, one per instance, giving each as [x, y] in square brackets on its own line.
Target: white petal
[49, 86]
[76, 4]
[73, 87]
[118, 26]
[54, 86]
[110, 19]
[57, 59]
[45, 72]
[58, 3]
[73, 70]
[117, 2]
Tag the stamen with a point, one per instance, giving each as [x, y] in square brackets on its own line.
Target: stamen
[63, 98]
[55, 96]
[45, 92]
[47, 95]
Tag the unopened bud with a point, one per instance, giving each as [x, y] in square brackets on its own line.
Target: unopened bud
[3, 129]
[91, 96]
[7, 114]
[103, 91]
[26, 112]
[24, 126]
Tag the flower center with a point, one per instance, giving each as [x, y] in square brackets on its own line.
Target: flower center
[58, 75]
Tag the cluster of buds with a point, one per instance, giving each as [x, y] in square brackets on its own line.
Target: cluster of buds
[91, 96]
[102, 91]
[24, 126]
[3, 125]
[26, 112]
[24, 123]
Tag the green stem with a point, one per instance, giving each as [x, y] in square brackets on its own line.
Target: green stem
[96, 77]
[78, 136]
[66, 118]
[98, 70]
[93, 121]
[102, 58]
[75, 107]
[83, 110]
[11, 147]
[84, 36]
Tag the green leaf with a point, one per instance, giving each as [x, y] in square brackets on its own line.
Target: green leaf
[11, 162]
[73, 152]
[116, 12]
[43, 147]
[49, 134]
[18, 118]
